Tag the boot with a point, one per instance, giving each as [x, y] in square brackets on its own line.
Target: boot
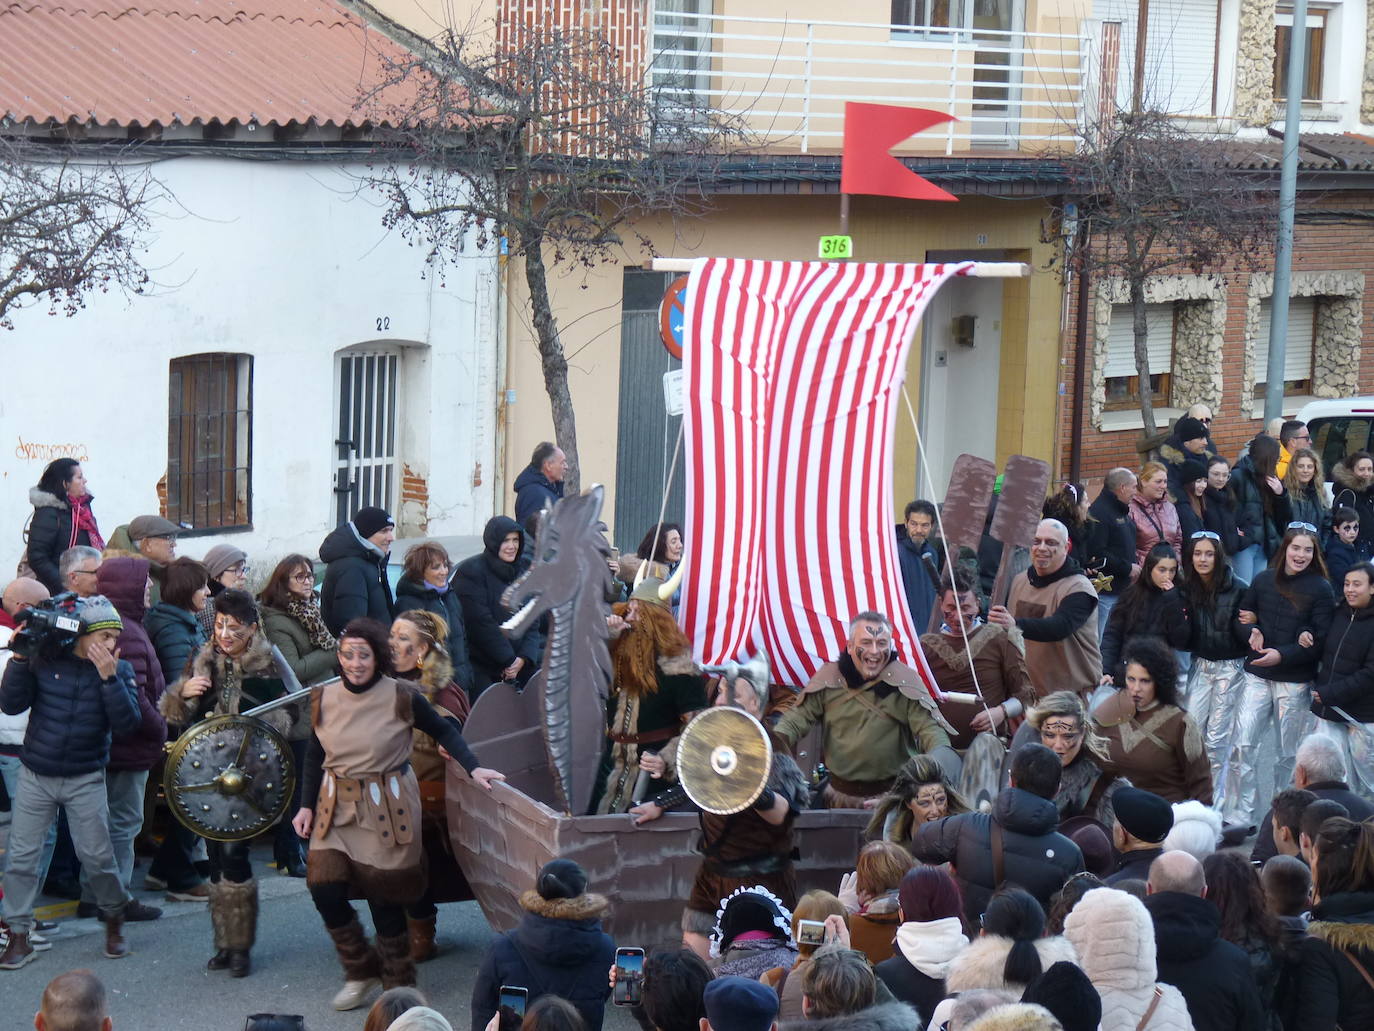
[115, 945]
[234, 917]
[422, 947]
[218, 914]
[398, 969]
[18, 952]
[362, 966]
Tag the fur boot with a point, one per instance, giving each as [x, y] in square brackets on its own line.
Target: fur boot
[362, 966]
[422, 946]
[398, 969]
[234, 916]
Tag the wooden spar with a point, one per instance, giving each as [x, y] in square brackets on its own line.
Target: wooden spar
[980, 270]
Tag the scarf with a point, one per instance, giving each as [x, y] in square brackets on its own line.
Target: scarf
[931, 946]
[84, 519]
[307, 614]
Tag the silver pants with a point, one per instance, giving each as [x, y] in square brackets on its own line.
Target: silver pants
[1357, 747]
[1266, 706]
[1212, 696]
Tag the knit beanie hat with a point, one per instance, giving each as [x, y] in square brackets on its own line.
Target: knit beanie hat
[221, 557]
[561, 879]
[97, 613]
[1191, 471]
[369, 520]
[1143, 814]
[1066, 992]
[739, 1004]
[1188, 428]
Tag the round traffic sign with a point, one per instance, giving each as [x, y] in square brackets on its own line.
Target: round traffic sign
[672, 316]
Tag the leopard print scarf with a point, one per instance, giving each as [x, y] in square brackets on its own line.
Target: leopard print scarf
[307, 614]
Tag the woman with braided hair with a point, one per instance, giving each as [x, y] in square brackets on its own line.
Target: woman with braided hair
[418, 655]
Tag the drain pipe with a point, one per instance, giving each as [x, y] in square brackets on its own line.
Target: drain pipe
[1080, 360]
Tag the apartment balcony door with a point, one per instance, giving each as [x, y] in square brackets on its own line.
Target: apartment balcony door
[367, 398]
[998, 35]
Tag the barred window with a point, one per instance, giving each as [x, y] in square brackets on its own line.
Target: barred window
[210, 441]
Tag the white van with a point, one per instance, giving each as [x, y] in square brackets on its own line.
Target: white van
[1339, 427]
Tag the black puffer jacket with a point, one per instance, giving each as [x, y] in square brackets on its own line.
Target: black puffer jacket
[480, 581]
[448, 607]
[1220, 517]
[558, 948]
[50, 534]
[1282, 622]
[1331, 992]
[72, 712]
[1346, 679]
[1252, 521]
[1213, 975]
[1308, 505]
[1164, 615]
[1346, 489]
[1112, 536]
[1037, 857]
[177, 635]
[355, 582]
[533, 492]
[1214, 631]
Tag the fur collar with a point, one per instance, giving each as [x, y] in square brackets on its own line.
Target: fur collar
[42, 499]
[679, 665]
[583, 907]
[258, 661]
[1171, 454]
[885, 1016]
[981, 964]
[1345, 476]
[1343, 936]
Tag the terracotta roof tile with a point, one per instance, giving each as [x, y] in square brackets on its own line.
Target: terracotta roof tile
[162, 61]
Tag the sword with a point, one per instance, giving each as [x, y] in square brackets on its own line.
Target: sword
[1352, 721]
[294, 691]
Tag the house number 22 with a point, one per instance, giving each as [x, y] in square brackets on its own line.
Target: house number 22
[383, 322]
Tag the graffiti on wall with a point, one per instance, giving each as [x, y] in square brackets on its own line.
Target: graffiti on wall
[32, 451]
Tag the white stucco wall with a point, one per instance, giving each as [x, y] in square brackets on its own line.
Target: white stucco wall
[282, 261]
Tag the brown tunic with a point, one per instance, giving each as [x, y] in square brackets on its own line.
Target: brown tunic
[1160, 750]
[1073, 664]
[1000, 668]
[367, 830]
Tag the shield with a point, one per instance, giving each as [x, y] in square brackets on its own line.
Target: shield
[981, 777]
[723, 759]
[229, 777]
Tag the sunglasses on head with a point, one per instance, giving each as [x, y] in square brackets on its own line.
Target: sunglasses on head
[1205, 534]
[1302, 526]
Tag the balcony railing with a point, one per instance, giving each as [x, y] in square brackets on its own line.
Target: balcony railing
[789, 80]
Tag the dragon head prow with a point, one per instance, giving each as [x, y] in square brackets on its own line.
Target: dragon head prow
[571, 555]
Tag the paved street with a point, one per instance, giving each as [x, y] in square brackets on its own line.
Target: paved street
[164, 986]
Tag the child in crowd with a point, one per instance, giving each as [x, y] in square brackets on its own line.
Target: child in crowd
[1340, 550]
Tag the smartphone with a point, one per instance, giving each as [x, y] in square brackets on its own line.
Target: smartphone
[810, 932]
[629, 976]
[511, 1006]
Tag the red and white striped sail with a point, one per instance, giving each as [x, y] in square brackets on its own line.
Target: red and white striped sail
[793, 374]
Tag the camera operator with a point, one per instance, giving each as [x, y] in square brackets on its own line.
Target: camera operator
[77, 697]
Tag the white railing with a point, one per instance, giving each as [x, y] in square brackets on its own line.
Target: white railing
[789, 79]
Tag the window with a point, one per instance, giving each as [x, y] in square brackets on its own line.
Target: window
[1297, 353]
[911, 17]
[1335, 438]
[210, 441]
[1120, 376]
[1316, 40]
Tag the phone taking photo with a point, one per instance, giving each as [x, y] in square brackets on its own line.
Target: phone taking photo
[511, 1006]
[810, 932]
[629, 977]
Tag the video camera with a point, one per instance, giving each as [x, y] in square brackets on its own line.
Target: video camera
[48, 629]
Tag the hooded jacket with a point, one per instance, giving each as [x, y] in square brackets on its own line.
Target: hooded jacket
[123, 581]
[534, 492]
[882, 1016]
[1037, 857]
[558, 948]
[1282, 622]
[1346, 489]
[50, 534]
[1331, 992]
[176, 635]
[1213, 975]
[72, 712]
[1255, 524]
[355, 582]
[1214, 631]
[480, 581]
[448, 607]
[921, 960]
[1115, 940]
[1346, 679]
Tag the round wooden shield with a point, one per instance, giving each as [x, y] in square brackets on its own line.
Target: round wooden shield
[723, 759]
[229, 777]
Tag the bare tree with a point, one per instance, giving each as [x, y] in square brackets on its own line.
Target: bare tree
[549, 139]
[1153, 199]
[69, 224]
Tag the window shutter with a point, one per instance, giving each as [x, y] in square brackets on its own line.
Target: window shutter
[1180, 53]
[1297, 353]
[1159, 325]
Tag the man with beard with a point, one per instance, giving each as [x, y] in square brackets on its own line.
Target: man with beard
[876, 714]
[655, 690]
[1052, 604]
[752, 846]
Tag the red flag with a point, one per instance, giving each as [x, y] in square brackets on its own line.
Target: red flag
[870, 131]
